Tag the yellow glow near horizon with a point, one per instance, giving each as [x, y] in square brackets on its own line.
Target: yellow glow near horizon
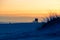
[28, 6]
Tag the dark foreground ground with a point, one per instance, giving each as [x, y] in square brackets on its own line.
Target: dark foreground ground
[26, 31]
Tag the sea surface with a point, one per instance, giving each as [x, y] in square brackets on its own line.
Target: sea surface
[7, 19]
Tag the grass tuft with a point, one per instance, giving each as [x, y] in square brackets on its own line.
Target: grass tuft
[52, 20]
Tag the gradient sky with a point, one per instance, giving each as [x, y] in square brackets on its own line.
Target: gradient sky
[29, 8]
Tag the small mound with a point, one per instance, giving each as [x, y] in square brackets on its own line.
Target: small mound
[51, 21]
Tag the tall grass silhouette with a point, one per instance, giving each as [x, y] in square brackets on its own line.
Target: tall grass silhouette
[52, 20]
[52, 26]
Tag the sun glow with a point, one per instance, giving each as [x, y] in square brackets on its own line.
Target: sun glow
[29, 7]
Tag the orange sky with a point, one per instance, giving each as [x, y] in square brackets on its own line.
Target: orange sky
[29, 7]
[9, 9]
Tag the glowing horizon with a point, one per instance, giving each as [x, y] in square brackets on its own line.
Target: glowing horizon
[28, 8]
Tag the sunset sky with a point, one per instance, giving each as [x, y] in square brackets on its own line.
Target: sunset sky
[28, 8]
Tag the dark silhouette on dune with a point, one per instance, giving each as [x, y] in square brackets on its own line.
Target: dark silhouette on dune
[52, 26]
[52, 20]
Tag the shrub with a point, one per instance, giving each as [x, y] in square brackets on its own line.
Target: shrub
[52, 20]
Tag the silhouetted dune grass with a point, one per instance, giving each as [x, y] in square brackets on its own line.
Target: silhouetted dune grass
[52, 20]
[52, 27]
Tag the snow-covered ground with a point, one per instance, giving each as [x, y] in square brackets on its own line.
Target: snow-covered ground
[26, 31]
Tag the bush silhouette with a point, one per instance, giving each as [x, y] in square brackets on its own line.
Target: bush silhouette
[52, 20]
